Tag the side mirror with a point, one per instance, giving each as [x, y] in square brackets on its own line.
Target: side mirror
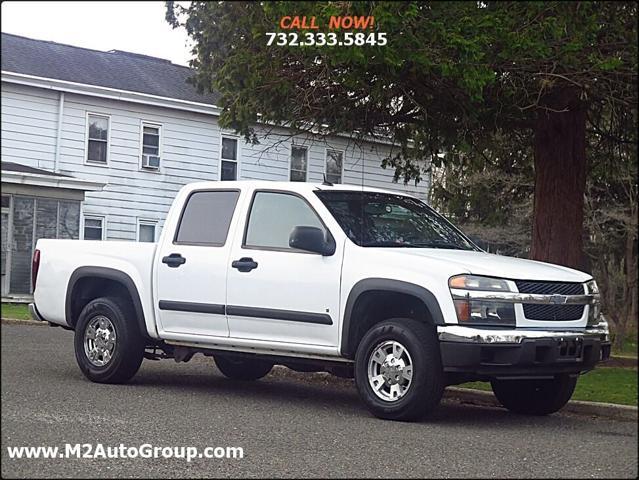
[312, 239]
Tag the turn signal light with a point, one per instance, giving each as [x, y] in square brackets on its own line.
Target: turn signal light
[463, 310]
[35, 266]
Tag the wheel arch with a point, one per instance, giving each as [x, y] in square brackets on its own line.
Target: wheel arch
[111, 275]
[400, 289]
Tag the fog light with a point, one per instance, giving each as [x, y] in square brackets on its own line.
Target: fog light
[485, 312]
[593, 314]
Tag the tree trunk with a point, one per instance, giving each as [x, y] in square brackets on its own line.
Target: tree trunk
[560, 180]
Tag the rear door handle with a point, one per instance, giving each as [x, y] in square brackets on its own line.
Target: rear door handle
[244, 264]
[174, 260]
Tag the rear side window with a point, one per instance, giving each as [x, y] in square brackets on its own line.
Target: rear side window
[206, 218]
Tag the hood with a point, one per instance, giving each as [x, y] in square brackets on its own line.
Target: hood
[488, 264]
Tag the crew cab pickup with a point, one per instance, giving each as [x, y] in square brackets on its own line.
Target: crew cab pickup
[359, 282]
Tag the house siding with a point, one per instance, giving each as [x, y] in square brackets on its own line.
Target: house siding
[190, 151]
[29, 125]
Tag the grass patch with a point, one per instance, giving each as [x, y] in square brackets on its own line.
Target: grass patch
[629, 346]
[608, 385]
[18, 311]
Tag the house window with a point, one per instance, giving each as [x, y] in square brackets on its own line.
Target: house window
[150, 146]
[229, 159]
[146, 231]
[98, 138]
[334, 164]
[299, 163]
[93, 228]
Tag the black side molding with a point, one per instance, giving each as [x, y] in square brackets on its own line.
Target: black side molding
[192, 307]
[217, 309]
[290, 315]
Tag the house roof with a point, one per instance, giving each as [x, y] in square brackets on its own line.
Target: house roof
[114, 69]
[16, 173]
[17, 167]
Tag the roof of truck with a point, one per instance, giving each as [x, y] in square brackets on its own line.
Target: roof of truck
[299, 187]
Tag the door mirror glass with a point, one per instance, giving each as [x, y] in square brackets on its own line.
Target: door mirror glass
[311, 239]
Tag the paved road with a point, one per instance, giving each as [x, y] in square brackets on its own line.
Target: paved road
[288, 425]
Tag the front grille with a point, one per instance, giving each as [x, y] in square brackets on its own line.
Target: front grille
[550, 288]
[551, 312]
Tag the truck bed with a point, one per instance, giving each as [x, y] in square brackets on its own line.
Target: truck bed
[60, 258]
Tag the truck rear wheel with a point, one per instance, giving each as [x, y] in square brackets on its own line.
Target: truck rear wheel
[108, 344]
[398, 369]
[242, 368]
[535, 397]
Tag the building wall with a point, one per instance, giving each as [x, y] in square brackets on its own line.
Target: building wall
[190, 151]
[29, 121]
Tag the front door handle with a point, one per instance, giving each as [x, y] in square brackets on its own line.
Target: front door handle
[174, 260]
[244, 264]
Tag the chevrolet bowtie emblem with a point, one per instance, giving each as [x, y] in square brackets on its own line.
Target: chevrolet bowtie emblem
[558, 299]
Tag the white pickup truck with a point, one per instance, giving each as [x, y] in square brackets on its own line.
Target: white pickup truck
[354, 281]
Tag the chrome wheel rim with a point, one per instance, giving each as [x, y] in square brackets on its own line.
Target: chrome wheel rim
[390, 371]
[99, 341]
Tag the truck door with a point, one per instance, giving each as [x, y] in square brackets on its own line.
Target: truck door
[192, 268]
[274, 292]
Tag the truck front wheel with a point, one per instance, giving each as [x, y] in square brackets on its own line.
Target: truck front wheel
[242, 368]
[398, 369]
[108, 344]
[535, 397]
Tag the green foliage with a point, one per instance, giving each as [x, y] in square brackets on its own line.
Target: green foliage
[452, 73]
[489, 192]
[19, 311]
[606, 385]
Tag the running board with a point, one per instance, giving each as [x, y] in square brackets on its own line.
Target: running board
[258, 351]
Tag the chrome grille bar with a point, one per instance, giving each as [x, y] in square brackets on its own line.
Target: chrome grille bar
[513, 297]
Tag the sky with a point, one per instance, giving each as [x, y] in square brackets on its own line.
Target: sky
[137, 27]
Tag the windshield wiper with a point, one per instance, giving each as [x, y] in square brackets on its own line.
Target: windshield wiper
[390, 243]
[385, 243]
[447, 245]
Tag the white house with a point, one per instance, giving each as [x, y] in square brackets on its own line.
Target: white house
[96, 144]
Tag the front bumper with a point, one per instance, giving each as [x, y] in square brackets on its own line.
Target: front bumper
[499, 353]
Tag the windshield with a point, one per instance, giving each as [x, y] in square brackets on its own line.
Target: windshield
[373, 219]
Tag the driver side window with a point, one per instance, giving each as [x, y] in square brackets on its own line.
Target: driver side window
[273, 217]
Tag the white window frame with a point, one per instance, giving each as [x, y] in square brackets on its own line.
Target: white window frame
[91, 216]
[159, 126]
[7, 276]
[290, 160]
[341, 175]
[86, 140]
[237, 160]
[146, 221]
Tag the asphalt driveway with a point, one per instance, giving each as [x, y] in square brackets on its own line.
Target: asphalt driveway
[287, 424]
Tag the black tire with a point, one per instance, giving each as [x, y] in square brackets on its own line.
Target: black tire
[128, 351]
[535, 397]
[242, 368]
[426, 387]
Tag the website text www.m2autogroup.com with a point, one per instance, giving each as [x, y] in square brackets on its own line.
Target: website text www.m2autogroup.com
[101, 451]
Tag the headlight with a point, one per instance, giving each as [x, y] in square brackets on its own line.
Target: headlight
[482, 312]
[474, 282]
[591, 287]
[594, 309]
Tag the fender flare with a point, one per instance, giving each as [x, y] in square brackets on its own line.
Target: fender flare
[109, 274]
[387, 285]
